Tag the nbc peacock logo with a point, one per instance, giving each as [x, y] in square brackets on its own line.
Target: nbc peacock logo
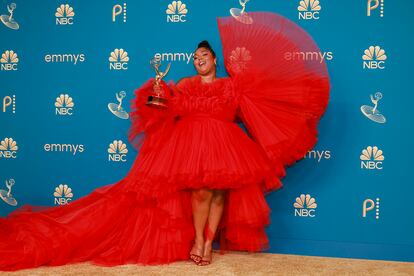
[64, 105]
[118, 60]
[176, 12]
[9, 61]
[117, 151]
[64, 15]
[239, 59]
[305, 206]
[9, 104]
[8, 148]
[372, 158]
[374, 58]
[63, 194]
[309, 9]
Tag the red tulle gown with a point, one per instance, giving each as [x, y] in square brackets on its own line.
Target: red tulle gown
[274, 88]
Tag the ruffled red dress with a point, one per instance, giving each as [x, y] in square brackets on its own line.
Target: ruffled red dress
[146, 218]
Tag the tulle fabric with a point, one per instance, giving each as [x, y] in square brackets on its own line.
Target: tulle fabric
[283, 84]
[110, 226]
[146, 217]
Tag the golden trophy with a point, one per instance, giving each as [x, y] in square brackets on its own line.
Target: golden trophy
[160, 88]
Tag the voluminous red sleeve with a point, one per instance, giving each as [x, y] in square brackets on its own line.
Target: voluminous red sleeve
[147, 120]
[282, 82]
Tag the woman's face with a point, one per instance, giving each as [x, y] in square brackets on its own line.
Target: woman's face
[203, 61]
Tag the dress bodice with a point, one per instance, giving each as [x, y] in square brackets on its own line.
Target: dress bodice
[217, 99]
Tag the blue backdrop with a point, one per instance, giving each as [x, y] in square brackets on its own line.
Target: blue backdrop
[349, 197]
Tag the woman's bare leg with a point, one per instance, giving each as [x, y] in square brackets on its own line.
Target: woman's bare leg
[216, 211]
[200, 201]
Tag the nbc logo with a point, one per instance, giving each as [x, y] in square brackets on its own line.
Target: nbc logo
[64, 105]
[63, 194]
[309, 9]
[239, 58]
[374, 57]
[117, 151]
[305, 206]
[8, 148]
[373, 5]
[9, 61]
[64, 15]
[176, 12]
[371, 158]
[9, 101]
[118, 60]
[368, 205]
[119, 11]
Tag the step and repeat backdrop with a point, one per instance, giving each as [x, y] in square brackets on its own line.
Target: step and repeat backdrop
[67, 75]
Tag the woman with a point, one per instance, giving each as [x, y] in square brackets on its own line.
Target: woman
[198, 176]
[207, 204]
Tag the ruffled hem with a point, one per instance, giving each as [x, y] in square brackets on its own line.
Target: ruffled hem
[116, 225]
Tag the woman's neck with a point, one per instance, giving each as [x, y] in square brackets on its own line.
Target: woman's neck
[208, 78]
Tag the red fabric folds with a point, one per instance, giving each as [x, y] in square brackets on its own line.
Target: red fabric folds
[146, 217]
[147, 120]
[282, 81]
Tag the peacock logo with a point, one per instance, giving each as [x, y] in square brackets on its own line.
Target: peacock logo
[368, 205]
[309, 9]
[176, 12]
[371, 158]
[9, 61]
[374, 58]
[305, 206]
[64, 105]
[8, 148]
[118, 60]
[374, 5]
[239, 59]
[64, 15]
[9, 102]
[117, 151]
[119, 11]
[63, 194]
